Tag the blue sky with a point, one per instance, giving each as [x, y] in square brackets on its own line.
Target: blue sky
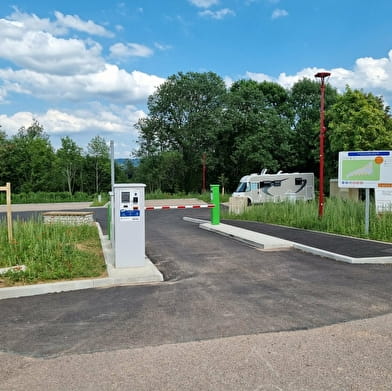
[86, 68]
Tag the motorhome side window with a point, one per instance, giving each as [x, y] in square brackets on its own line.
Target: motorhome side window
[254, 186]
[265, 184]
[298, 181]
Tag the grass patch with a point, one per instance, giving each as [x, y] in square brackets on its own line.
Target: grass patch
[105, 198]
[340, 216]
[50, 252]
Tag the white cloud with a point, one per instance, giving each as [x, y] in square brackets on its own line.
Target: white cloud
[204, 3]
[121, 50]
[370, 74]
[279, 13]
[228, 81]
[112, 120]
[60, 26]
[75, 23]
[42, 52]
[220, 14]
[162, 47]
[260, 77]
[111, 83]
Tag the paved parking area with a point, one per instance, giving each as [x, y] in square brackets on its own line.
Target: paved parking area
[215, 287]
[228, 317]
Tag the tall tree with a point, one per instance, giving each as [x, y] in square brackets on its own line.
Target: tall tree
[305, 103]
[359, 121]
[98, 156]
[4, 160]
[184, 116]
[257, 130]
[69, 159]
[32, 160]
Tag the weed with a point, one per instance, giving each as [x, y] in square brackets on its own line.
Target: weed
[50, 251]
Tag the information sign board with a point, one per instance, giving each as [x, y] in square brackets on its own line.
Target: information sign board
[365, 169]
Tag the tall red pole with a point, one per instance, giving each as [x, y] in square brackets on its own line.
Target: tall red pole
[322, 76]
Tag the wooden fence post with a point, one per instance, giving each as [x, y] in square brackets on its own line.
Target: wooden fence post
[7, 189]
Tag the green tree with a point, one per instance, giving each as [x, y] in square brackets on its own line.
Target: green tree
[69, 160]
[359, 121]
[32, 160]
[162, 172]
[125, 171]
[257, 131]
[305, 104]
[4, 161]
[98, 163]
[184, 116]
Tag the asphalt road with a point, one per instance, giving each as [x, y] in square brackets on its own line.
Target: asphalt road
[215, 287]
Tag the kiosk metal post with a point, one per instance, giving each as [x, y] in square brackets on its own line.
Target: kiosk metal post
[129, 225]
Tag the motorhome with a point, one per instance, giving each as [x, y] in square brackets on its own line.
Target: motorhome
[263, 187]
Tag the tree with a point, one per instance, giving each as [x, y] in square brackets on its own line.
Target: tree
[32, 160]
[359, 121]
[4, 161]
[184, 116]
[69, 159]
[124, 171]
[162, 172]
[98, 157]
[257, 129]
[305, 103]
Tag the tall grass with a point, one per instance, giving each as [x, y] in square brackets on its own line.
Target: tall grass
[340, 216]
[50, 251]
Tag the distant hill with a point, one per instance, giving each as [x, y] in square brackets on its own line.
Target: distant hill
[123, 161]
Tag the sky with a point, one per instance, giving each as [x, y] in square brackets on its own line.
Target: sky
[83, 69]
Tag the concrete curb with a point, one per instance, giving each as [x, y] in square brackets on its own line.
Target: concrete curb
[250, 237]
[124, 276]
[267, 242]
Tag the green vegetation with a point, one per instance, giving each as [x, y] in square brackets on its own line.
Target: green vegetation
[46, 197]
[206, 197]
[239, 130]
[340, 217]
[50, 252]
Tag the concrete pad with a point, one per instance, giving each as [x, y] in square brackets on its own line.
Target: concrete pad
[121, 276]
[256, 239]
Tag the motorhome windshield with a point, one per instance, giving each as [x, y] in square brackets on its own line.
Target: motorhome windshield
[243, 187]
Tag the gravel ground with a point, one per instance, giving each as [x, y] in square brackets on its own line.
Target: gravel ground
[349, 356]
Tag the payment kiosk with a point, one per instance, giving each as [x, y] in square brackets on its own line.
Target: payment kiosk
[129, 228]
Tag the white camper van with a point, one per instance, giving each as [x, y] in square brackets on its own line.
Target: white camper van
[263, 187]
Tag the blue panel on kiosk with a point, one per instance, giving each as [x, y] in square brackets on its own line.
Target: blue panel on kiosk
[129, 213]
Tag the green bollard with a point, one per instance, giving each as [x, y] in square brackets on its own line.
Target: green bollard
[215, 211]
